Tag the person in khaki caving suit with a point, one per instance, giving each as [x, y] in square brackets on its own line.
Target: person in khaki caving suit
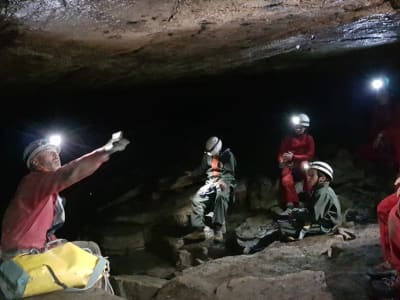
[216, 193]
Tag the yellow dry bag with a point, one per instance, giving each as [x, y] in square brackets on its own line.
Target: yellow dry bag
[65, 267]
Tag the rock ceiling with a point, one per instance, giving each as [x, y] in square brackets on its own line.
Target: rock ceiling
[117, 43]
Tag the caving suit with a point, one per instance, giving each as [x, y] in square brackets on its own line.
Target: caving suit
[217, 191]
[303, 149]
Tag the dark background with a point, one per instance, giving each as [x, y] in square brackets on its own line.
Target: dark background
[168, 123]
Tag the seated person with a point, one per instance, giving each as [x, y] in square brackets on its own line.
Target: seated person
[296, 149]
[322, 211]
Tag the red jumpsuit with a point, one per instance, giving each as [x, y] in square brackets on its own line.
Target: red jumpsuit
[383, 211]
[394, 237]
[31, 212]
[389, 225]
[303, 148]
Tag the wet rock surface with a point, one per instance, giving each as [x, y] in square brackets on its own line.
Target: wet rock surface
[120, 43]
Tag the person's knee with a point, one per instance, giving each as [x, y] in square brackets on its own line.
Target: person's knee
[197, 207]
[94, 247]
[195, 202]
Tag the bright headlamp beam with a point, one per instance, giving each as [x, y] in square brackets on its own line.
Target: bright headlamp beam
[295, 120]
[377, 84]
[55, 139]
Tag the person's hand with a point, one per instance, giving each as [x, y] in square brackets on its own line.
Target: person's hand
[117, 143]
[286, 164]
[120, 145]
[221, 186]
[287, 156]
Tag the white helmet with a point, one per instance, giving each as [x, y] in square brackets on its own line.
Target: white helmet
[323, 167]
[301, 119]
[213, 146]
[38, 146]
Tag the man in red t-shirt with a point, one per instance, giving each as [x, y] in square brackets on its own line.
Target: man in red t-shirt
[36, 210]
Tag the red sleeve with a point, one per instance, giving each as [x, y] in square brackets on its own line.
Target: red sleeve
[47, 183]
[283, 148]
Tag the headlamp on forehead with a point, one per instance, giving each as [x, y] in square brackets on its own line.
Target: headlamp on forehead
[295, 120]
[379, 83]
[55, 139]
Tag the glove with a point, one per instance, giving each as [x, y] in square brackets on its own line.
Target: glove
[117, 143]
[221, 186]
[287, 157]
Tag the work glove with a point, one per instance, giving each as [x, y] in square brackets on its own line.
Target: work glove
[117, 143]
[287, 157]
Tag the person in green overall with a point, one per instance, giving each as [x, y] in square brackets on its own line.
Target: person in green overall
[219, 166]
[320, 215]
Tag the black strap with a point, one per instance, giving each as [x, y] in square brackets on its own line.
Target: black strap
[56, 280]
[213, 147]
